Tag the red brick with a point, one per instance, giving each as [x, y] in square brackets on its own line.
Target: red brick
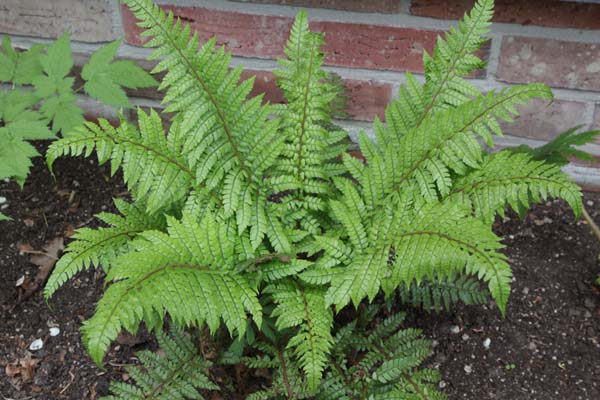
[382, 6]
[557, 63]
[543, 121]
[366, 99]
[554, 13]
[264, 83]
[348, 44]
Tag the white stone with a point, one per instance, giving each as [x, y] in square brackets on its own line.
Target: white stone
[486, 343]
[54, 331]
[37, 344]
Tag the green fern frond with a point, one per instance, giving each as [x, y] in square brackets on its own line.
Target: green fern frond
[388, 364]
[429, 159]
[185, 273]
[442, 293]
[453, 58]
[506, 178]
[304, 307]
[100, 247]
[306, 162]
[178, 372]
[287, 379]
[422, 241]
[152, 164]
[228, 139]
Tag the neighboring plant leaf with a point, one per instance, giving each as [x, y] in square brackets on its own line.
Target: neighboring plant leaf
[105, 77]
[8, 60]
[561, 148]
[19, 67]
[56, 88]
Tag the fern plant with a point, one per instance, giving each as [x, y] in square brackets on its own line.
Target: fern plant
[51, 106]
[253, 217]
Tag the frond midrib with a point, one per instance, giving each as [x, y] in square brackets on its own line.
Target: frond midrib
[304, 113]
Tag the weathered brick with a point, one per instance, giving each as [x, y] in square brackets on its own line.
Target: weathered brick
[557, 63]
[555, 13]
[382, 6]
[543, 121]
[87, 20]
[367, 99]
[596, 122]
[264, 36]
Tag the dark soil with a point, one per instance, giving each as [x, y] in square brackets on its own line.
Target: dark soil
[547, 347]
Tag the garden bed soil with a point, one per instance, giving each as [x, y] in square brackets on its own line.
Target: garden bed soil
[547, 347]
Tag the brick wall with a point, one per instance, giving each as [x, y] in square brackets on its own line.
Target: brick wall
[370, 44]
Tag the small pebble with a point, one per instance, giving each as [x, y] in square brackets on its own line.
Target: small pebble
[465, 337]
[468, 369]
[20, 281]
[442, 384]
[589, 203]
[37, 344]
[486, 343]
[54, 331]
[532, 346]
[589, 303]
[2, 199]
[454, 329]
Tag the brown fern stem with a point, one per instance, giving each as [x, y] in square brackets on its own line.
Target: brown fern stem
[593, 226]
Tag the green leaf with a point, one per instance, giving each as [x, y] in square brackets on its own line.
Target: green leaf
[8, 61]
[29, 65]
[63, 112]
[15, 105]
[104, 89]
[58, 60]
[104, 78]
[30, 130]
[15, 157]
[4, 217]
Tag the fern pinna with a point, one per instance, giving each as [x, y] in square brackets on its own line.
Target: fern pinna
[243, 211]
